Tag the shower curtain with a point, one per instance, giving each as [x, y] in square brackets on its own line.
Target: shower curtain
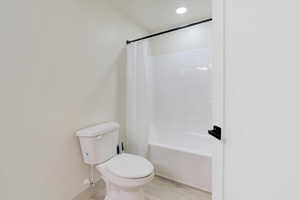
[138, 112]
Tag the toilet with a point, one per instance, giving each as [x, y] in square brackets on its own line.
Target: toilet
[124, 174]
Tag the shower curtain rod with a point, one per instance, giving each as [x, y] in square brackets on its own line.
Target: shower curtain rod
[168, 31]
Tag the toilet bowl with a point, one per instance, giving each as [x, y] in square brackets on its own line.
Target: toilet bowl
[125, 175]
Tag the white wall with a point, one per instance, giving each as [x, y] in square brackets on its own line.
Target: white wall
[181, 90]
[262, 100]
[62, 67]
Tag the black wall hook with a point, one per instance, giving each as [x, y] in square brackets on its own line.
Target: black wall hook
[216, 132]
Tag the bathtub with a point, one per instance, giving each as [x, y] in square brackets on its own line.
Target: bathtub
[184, 158]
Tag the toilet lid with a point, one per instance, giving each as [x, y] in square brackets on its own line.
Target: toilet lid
[130, 166]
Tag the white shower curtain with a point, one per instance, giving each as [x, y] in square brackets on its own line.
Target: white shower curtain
[138, 97]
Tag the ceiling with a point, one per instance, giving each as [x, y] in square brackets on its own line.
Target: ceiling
[158, 15]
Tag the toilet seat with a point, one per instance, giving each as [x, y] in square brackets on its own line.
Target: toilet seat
[127, 171]
[129, 166]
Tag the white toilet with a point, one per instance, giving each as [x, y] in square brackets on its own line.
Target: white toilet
[123, 174]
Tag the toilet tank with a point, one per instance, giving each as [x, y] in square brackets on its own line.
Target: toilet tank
[98, 143]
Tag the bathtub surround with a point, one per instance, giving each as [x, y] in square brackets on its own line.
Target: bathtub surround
[181, 76]
[62, 68]
[180, 148]
[169, 107]
[181, 93]
[179, 145]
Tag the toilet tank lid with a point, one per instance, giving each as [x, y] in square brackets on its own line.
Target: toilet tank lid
[94, 131]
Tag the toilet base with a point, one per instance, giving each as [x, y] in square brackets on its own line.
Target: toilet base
[118, 188]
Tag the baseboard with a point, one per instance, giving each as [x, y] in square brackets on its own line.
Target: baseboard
[92, 193]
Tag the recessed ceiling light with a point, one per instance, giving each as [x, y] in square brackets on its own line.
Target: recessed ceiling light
[181, 10]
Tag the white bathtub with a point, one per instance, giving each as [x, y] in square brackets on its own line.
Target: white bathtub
[184, 158]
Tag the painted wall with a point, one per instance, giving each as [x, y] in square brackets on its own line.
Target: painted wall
[62, 68]
[262, 100]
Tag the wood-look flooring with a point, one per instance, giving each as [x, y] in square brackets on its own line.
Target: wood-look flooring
[164, 189]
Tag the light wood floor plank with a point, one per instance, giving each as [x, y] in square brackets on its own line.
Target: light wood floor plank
[163, 189]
